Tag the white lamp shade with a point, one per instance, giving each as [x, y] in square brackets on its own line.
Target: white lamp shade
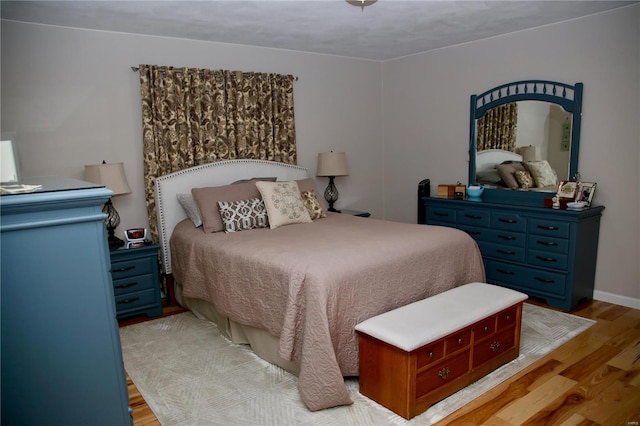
[531, 153]
[332, 164]
[111, 176]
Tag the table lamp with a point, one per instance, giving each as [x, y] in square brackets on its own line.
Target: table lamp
[112, 176]
[332, 164]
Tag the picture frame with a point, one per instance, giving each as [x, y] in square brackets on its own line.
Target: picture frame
[567, 189]
[585, 192]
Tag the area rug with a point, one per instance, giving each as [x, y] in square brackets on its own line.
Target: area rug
[191, 375]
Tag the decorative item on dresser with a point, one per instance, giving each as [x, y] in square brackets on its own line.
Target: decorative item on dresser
[332, 164]
[61, 355]
[546, 253]
[136, 281]
[113, 177]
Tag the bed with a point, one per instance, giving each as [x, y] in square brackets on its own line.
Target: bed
[497, 168]
[295, 293]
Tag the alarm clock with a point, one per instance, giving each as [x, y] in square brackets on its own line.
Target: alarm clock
[136, 237]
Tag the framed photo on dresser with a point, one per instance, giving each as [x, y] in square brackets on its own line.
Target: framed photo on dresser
[567, 189]
[585, 192]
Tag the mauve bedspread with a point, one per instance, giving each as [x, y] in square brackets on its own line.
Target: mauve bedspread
[310, 284]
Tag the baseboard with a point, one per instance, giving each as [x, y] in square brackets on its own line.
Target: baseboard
[629, 302]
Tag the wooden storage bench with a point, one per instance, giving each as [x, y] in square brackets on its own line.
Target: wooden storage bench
[416, 355]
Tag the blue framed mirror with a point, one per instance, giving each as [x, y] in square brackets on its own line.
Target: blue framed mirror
[523, 122]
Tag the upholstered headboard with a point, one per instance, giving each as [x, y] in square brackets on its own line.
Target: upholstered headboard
[489, 158]
[169, 210]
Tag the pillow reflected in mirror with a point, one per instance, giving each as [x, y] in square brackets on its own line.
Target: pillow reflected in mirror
[542, 173]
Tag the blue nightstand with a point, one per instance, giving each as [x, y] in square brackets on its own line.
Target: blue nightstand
[136, 281]
[355, 213]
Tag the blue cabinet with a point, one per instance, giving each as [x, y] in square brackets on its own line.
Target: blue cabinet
[61, 355]
[546, 253]
[136, 281]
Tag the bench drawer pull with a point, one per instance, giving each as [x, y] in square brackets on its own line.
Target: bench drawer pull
[495, 346]
[444, 373]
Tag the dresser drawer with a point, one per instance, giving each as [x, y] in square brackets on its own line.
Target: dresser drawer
[547, 259]
[544, 243]
[508, 221]
[429, 354]
[525, 278]
[133, 284]
[442, 373]
[500, 251]
[551, 228]
[493, 346]
[505, 237]
[130, 268]
[474, 217]
[458, 341]
[437, 214]
[134, 300]
[478, 234]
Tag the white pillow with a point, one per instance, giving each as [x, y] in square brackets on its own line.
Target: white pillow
[190, 208]
[283, 203]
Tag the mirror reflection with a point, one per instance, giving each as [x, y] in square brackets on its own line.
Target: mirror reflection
[524, 136]
[520, 132]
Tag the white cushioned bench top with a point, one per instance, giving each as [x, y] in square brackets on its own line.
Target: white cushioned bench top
[412, 326]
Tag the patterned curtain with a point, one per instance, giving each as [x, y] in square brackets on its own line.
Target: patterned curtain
[196, 116]
[497, 128]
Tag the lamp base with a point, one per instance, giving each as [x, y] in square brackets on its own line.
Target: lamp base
[331, 194]
[114, 242]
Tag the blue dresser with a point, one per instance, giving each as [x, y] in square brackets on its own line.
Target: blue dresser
[545, 253]
[61, 355]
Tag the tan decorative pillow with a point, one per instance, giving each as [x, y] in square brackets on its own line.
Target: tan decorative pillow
[542, 173]
[283, 202]
[207, 201]
[524, 179]
[507, 173]
[243, 215]
[313, 205]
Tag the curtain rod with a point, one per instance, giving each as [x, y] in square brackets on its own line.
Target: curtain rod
[136, 69]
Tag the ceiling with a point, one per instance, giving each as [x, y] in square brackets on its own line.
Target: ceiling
[384, 30]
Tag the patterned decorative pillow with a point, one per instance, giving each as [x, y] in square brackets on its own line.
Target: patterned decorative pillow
[524, 179]
[243, 215]
[542, 173]
[190, 208]
[284, 203]
[313, 205]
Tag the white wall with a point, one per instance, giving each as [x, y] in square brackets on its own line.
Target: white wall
[72, 99]
[426, 121]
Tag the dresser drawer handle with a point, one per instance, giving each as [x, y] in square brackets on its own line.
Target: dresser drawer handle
[548, 228]
[507, 237]
[127, 301]
[509, 252]
[546, 243]
[444, 373]
[441, 214]
[502, 271]
[470, 216]
[507, 220]
[474, 232]
[127, 285]
[543, 280]
[495, 346]
[128, 268]
[547, 259]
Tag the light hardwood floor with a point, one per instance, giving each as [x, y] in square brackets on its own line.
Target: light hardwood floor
[594, 379]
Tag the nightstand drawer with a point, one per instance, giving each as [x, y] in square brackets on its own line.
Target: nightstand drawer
[130, 268]
[133, 284]
[134, 300]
